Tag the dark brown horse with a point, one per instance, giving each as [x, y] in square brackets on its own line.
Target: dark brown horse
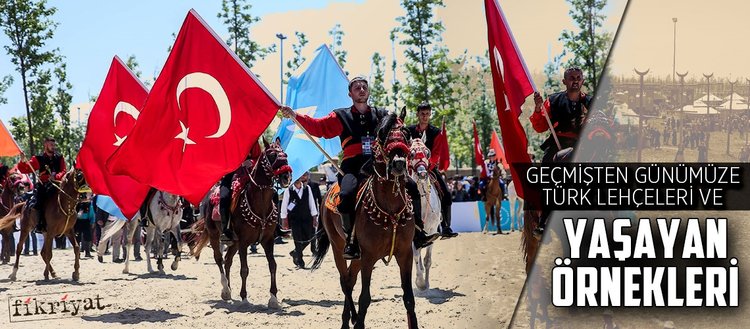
[12, 187]
[253, 219]
[384, 226]
[60, 212]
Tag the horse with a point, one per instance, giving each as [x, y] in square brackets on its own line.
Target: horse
[383, 225]
[492, 204]
[253, 218]
[60, 212]
[164, 214]
[515, 213]
[13, 186]
[430, 198]
[111, 229]
[594, 146]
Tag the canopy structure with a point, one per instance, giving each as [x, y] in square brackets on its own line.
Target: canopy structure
[624, 115]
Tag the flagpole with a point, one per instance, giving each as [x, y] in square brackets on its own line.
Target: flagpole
[320, 148]
[551, 128]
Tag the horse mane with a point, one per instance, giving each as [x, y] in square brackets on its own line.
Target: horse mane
[384, 127]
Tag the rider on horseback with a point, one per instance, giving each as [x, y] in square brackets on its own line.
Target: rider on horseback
[490, 164]
[424, 113]
[355, 126]
[225, 194]
[50, 166]
[567, 110]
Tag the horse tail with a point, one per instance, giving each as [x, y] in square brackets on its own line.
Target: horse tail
[13, 214]
[200, 238]
[112, 230]
[324, 244]
[529, 242]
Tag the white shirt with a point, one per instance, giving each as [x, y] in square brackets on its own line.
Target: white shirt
[330, 172]
[285, 200]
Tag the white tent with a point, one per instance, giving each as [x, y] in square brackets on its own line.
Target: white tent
[710, 98]
[624, 115]
[735, 97]
[692, 109]
[736, 105]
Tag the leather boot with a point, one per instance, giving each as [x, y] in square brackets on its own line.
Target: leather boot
[227, 235]
[445, 226]
[87, 249]
[351, 250]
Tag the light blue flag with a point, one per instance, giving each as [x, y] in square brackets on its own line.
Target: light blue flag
[107, 204]
[316, 89]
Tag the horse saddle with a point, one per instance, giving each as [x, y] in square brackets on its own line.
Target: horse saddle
[333, 199]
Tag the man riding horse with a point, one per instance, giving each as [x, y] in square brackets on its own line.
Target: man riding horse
[355, 126]
[424, 113]
[491, 163]
[50, 166]
[567, 111]
[225, 193]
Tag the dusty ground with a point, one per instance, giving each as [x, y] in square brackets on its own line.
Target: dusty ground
[476, 280]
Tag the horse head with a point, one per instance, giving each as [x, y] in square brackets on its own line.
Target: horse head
[74, 179]
[597, 140]
[391, 146]
[419, 156]
[277, 163]
[17, 183]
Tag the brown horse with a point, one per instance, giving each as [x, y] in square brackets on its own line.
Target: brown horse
[12, 187]
[384, 226]
[253, 219]
[493, 197]
[60, 212]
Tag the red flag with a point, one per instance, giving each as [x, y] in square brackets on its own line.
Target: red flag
[8, 145]
[201, 118]
[478, 152]
[495, 145]
[512, 84]
[110, 122]
[441, 151]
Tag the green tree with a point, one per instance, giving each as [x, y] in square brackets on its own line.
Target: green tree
[553, 76]
[4, 85]
[589, 46]
[28, 25]
[69, 136]
[298, 59]
[236, 16]
[336, 46]
[429, 74]
[395, 84]
[378, 93]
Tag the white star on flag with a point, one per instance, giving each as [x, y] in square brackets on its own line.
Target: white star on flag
[184, 136]
[298, 133]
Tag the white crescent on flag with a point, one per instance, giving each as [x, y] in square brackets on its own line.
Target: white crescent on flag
[129, 109]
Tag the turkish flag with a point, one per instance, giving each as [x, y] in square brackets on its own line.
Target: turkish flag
[512, 84]
[478, 151]
[8, 145]
[495, 145]
[441, 151]
[112, 118]
[200, 120]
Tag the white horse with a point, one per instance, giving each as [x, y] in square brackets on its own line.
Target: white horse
[515, 214]
[165, 212]
[111, 228]
[431, 214]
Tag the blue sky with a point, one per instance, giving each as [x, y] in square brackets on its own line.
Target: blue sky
[90, 33]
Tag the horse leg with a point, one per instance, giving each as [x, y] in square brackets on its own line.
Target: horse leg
[268, 244]
[47, 257]
[19, 248]
[486, 218]
[159, 236]
[244, 270]
[130, 233]
[228, 260]
[498, 216]
[427, 265]
[176, 247]
[150, 232]
[419, 281]
[404, 263]
[226, 292]
[76, 249]
[368, 265]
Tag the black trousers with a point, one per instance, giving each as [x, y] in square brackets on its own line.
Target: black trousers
[83, 230]
[550, 148]
[348, 194]
[446, 201]
[225, 198]
[302, 232]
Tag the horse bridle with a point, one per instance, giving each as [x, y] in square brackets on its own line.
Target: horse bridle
[395, 140]
[269, 172]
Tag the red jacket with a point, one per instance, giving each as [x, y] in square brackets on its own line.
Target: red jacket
[36, 164]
